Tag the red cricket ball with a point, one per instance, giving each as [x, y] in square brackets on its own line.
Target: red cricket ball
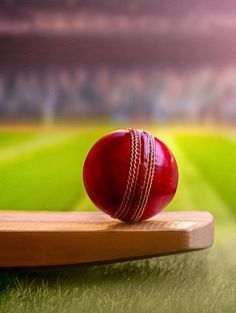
[130, 175]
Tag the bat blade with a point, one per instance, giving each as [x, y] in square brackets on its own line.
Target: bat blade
[59, 238]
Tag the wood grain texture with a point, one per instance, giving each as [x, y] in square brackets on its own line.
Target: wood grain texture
[43, 239]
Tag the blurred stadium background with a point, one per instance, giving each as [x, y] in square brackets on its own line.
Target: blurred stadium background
[72, 70]
[119, 61]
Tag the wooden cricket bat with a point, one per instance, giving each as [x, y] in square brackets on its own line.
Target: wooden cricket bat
[45, 239]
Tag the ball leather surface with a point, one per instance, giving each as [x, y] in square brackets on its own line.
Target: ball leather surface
[130, 175]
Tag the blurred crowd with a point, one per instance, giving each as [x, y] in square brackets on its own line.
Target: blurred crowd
[146, 94]
[95, 23]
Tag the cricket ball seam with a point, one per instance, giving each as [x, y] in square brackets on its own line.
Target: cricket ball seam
[148, 180]
[133, 174]
[138, 151]
[134, 164]
[135, 157]
[151, 174]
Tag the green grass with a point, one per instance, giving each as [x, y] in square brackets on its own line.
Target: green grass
[214, 157]
[14, 138]
[43, 171]
[183, 283]
[45, 174]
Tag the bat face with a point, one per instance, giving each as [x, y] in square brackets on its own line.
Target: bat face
[44, 239]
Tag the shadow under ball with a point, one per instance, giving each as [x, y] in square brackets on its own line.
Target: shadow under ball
[130, 175]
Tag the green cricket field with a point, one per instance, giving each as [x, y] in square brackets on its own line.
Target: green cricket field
[41, 169]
